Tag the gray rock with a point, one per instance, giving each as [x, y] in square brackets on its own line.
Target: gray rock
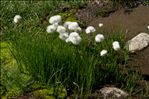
[113, 93]
[138, 43]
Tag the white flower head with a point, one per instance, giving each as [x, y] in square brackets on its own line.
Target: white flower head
[61, 29]
[100, 24]
[66, 24]
[55, 24]
[116, 45]
[148, 27]
[51, 28]
[90, 29]
[67, 40]
[103, 52]
[63, 36]
[74, 38]
[55, 19]
[17, 18]
[73, 26]
[99, 38]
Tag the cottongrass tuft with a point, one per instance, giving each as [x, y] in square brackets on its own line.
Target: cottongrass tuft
[51, 28]
[74, 38]
[100, 24]
[103, 52]
[99, 38]
[66, 24]
[61, 29]
[116, 45]
[55, 19]
[63, 36]
[17, 18]
[90, 29]
[148, 27]
[73, 26]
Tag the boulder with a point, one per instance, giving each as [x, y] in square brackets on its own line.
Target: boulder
[138, 43]
[113, 93]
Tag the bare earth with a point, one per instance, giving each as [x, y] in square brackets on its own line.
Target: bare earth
[135, 22]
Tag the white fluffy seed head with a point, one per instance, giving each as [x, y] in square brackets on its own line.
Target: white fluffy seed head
[61, 29]
[103, 52]
[17, 18]
[116, 45]
[51, 28]
[55, 19]
[66, 24]
[55, 24]
[63, 36]
[148, 27]
[90, 29]
[74, 38]
[100, 24]
[73, 26]
[73, 34]
[99, 38]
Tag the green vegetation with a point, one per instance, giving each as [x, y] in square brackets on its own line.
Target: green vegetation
[49, 60]
[33, 12]
[35, 62]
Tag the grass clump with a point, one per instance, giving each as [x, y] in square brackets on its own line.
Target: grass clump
[50, 60]
[78, 68]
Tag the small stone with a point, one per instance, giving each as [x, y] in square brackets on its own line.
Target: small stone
[138, 43]
[113, 93]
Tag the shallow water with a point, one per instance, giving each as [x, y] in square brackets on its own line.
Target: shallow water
[135, 22]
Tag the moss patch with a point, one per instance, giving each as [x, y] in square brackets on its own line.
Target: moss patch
[67, 16]
[6, 57]
[70, 16]
[50, 93]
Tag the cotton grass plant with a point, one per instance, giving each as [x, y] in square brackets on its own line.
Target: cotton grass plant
[78, 61]
[48, 59]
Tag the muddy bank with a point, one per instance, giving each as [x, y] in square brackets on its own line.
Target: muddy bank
[135, 22]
